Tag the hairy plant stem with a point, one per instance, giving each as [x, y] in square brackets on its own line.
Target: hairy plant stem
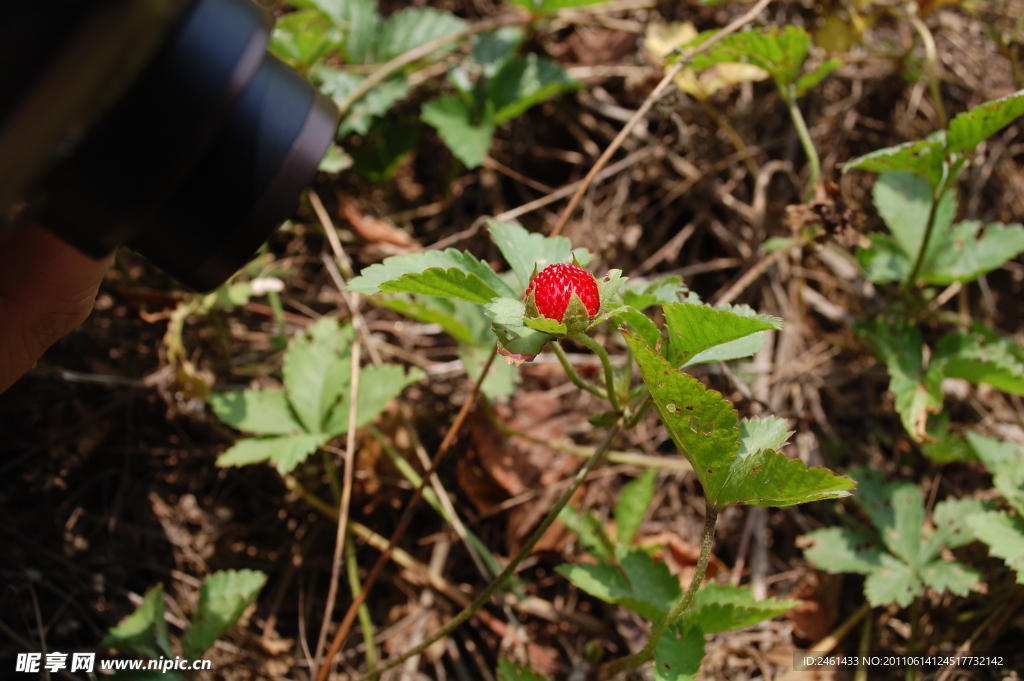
[909, 284]
[609, 373]
[805, 139]
[573, 376]
[510, 569]
[707, 542]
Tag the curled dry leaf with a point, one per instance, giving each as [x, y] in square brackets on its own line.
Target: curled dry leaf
[375, 230]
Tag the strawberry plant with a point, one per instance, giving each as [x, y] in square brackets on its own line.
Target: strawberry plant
[548, 296]
[291, 423]
[223, 598]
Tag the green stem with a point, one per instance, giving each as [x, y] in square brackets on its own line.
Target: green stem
[915, 608]
[573, 376]
[609, 372]
[805, 139]
[919, 260]
[365, 623]
[707, 542]
[510, 569]
[932, 60]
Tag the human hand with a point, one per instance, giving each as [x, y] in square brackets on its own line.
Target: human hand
[47, 288]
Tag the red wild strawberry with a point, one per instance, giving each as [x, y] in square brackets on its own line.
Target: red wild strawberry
[553, 287]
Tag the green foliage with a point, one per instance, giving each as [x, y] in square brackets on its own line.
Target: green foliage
[942, 156]
[698, 334]
[918, 390]
[678, 654]
[645, 587]
[492, 91]
[223, 597]
[705, 428]
[980, 356]
[314, 406]
[904, 556]
[955, 252]
[630, 509]
[1001, 531]
[144, 632]
[590, 535]
[779, 52]
[445, 274]
[528, 253]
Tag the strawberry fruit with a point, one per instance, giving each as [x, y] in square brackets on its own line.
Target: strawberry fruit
[553, 287]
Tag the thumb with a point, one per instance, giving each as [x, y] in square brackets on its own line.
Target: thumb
[47, 288]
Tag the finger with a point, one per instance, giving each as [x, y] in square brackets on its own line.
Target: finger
[47, 288]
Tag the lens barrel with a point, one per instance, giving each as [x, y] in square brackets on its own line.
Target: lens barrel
[201, 158]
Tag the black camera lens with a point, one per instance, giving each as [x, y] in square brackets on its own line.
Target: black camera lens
[198, 158]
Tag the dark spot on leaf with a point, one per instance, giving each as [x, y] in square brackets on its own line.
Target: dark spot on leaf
[755, 469]
[710, 471]
[689, 407]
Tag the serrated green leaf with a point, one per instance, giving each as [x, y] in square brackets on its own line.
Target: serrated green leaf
[1005, 461]
[949, 517]
[1004, 535]
[339, 84]
[608, 287]
[144, 632]
[759, 434]
[525, 250]
[641, 325]
[780, 53]
[261, 412]
[223, 598]
[630, 509]
[951, 576]
[678, 654]
[548, 326]
[411, 27]
[642, 294]
[315, 372]
[918, 391]
[969, 129]
[768, 478]
[647, 588]
[904, 201]
[377, 386]
[431, 310]
[494, 49]
[469, 140]
[695, 329]
[726, 607]
[445, 274]
[897, 511]
[885, 261]
[839, 550]
[704, 427]
[361, 22]
[922, 157]
[809, 80]
[507, 671]
[893, 582]
[964, 256]
[303, 37]
[589, 533]
[285, 452]
[506, 311]
[975, 358]
[524, 82]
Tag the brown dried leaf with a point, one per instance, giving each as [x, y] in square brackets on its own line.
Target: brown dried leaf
[374, 230]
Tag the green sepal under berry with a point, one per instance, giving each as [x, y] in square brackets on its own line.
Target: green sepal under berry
[517, 343]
